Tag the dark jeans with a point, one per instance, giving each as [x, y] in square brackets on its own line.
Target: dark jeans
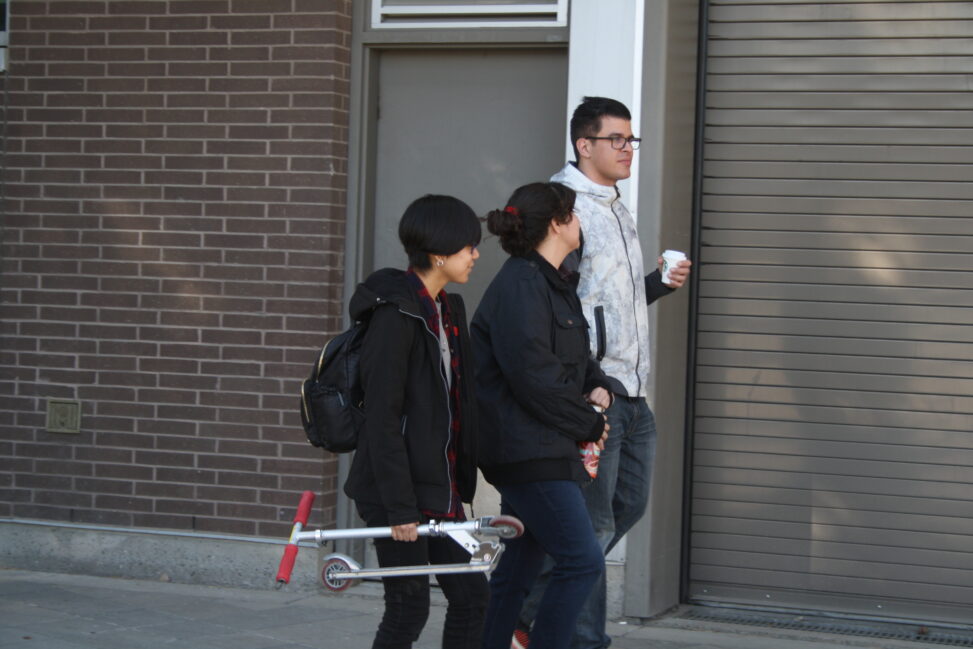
[407, 598]
[557, 524]
[615, 500]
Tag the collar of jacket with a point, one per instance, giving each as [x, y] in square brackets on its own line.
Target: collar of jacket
[388, 285]
[573, 177]
[561, 281]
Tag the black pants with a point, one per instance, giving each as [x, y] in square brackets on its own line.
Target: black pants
[407, 598]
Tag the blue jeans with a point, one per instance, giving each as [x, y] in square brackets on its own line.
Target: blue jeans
[557, 525]
[615, 500]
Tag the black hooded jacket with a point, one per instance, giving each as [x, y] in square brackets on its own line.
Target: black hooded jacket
[530, 344]
[401, 461]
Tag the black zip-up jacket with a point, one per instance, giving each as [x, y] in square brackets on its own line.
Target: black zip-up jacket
[401, 461]
[530, 346]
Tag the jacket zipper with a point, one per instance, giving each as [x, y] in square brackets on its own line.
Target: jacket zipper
[449, 409]
[635, 306]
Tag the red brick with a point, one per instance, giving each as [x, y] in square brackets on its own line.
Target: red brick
[257, 194]
[197, 69]
[139, 132]
[131, 193]
[240, 23]
[196, 101]
[164, 458]
[99, 485]
[251, 273]
[136, 38]
[175, 115]
[193, 194]
[112, 146]
[250, 148]
[136, 7]
[123, 471]
[174, 147]
[195, 131]
[171, 53]
[261, 6]
[176, 84]
[247, 479]
[260, 37]
[178, 23]
[117, 23]
[227, 84]
[134, 101]
[173, 208]
[116, 54]
[260, 69]
[193, 162]
[198, 6]
[198, 38]
[186, 366]
[249, 353]
[238, 116]
[129, 69]
[250, 210]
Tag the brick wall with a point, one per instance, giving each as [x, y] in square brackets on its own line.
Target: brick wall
[173, 222]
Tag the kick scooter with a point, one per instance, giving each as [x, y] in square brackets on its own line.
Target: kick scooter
[341, 571]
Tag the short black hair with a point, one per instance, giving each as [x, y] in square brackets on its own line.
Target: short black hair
[586, 120]
[437, 225]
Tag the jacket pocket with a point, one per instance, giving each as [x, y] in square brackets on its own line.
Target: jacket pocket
[570, 338]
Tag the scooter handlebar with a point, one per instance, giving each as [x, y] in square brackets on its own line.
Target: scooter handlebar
[290, 552]
[286, 565]
[304, 508]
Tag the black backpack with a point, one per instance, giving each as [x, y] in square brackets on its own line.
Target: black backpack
[332, 398]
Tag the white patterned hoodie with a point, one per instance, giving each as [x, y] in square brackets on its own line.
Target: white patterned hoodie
[612, 277]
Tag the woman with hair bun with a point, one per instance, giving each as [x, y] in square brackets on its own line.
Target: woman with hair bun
[416, 456]
[536, 384]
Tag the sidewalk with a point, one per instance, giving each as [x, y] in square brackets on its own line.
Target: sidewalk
[41, 610]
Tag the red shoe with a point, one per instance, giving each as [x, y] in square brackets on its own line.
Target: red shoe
[520, 640]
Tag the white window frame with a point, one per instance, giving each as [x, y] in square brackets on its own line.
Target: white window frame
[453, 16]
[5, 37]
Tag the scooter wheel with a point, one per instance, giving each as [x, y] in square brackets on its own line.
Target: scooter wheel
[333, 567]
[508, 527]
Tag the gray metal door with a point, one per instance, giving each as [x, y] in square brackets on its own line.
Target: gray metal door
[473, 123]
[833, 444]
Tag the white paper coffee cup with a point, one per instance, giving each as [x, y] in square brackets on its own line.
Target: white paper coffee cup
[670, 258]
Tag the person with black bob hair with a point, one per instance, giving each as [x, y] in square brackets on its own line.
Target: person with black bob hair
[536, 384]
[416, 456]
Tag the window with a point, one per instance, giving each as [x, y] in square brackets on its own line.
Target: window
[426, 14]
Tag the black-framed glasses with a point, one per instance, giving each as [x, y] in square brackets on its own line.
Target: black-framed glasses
[618, 141]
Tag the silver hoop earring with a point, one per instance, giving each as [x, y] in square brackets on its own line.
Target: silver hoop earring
[439, 262]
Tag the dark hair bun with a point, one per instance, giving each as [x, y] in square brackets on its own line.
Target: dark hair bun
[506, 224]
[523, 224]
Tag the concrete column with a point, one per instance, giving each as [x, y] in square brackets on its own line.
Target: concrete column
[605, 60]
[643, 53]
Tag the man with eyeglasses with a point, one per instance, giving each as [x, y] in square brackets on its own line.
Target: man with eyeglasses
[614, 292]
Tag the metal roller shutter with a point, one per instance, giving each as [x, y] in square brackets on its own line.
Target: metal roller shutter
[833, 431]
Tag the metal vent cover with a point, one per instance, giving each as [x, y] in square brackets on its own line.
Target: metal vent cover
[849, 627]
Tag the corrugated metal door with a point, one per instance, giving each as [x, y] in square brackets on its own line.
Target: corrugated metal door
[833, 459]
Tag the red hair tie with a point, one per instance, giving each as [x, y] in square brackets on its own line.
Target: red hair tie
[510, 209]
